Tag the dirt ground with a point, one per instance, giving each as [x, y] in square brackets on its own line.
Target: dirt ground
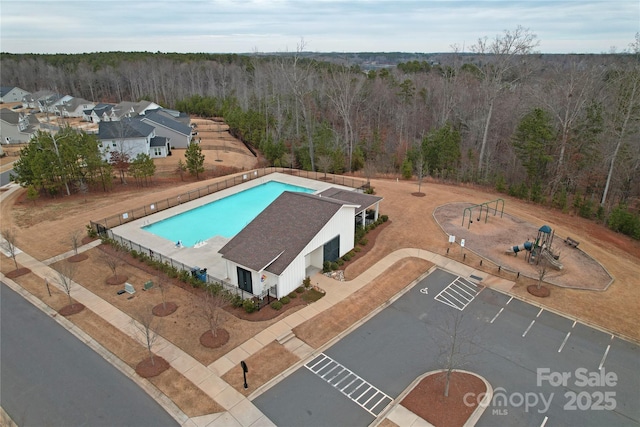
[493, 234]
[45, 228]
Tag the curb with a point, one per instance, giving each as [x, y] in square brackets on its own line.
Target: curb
[166, 403]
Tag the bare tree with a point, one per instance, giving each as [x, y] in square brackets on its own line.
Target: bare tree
[324, 163]
[9, 244]
[455, 351]
[210, 306]
[65, 276]
[500, 70]
[76, 240]
[148, 329]
[162, 284]
[112, 262]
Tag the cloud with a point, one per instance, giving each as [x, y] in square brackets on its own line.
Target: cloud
[70, 26]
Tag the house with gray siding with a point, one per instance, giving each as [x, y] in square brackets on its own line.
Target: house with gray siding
[16, 127]
[178, 134]
[12, 94]
[131, 137]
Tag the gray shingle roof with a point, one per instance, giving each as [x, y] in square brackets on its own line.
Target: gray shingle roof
[158, 141]
[9, 116]
[364, 201]
[167, 122]
[281, 231]
[123, 129]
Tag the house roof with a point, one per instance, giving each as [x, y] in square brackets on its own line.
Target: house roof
[352, 197]
[74, 103]
[9, 116]
[280, 232]
[168, 123]
[123, 129]
[158, 141]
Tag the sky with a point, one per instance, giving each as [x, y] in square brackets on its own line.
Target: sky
[243, 26]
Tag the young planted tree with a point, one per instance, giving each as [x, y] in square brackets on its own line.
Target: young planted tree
[112, 262]
[148, 329]
[195, 159]
[181, 169]
[166, 308]
[324, 163]
[457, 349]
[66, 274]
[211, 310]
[9, 244]
[76, 241]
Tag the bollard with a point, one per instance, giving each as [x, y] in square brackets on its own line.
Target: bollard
[464, 257]
[480, 263]
[518, 276]
[499, 268]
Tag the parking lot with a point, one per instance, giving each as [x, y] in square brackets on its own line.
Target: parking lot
[545, 369]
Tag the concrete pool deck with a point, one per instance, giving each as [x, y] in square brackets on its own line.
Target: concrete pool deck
[206, 255]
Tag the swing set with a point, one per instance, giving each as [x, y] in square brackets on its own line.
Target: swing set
[482, 209]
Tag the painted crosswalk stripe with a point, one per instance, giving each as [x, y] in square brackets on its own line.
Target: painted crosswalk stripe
[367, 396]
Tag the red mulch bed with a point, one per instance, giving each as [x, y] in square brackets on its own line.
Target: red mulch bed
[428, 402]
[78, 258]
[17, 273]
[162, 310]
[543, 292]
[68, 310]
[210, 341]
[148, 369]
[118, 279]
[266, 312]
[417, 194]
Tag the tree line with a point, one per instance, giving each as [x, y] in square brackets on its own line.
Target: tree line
[563, 130]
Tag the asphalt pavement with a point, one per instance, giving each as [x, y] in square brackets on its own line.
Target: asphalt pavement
[50, 378]
[519, 348]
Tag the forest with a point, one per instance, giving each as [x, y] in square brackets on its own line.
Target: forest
[559, 130]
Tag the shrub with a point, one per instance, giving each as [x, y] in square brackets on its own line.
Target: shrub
[300, 289]
[623, 221]
[340, 262]
[357, 249]
[384, 218]
[363, 242]
[285, 300]
[306, 283]
[236, 301]
[249, 305]
[334, 266]
[407, 169]
[135, 254]
[293, 295]
[346, 257]
[91, 232]
[276, 305]
[326, 266]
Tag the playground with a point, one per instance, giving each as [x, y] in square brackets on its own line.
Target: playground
[520, 246]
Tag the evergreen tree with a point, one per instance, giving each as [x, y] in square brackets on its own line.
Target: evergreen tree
[195, 159]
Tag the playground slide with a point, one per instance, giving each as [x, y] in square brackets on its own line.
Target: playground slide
[526, 246]
[551, 260]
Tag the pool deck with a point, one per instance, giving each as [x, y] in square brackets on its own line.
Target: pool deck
[206, 255]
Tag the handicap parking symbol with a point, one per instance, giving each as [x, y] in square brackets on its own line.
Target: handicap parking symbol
[424, 291]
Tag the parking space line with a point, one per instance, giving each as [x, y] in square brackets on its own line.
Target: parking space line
[567, 337]
[530, 325]
[497, 314]
[374, 403]
[605, 353]
[544, 421]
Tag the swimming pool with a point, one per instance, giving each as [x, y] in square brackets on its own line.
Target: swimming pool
[224, 217]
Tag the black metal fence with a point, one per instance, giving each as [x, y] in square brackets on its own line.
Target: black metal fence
[100, 226]
[103, 227]
[133, 246]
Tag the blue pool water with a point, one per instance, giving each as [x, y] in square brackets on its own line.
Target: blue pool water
[224, 217]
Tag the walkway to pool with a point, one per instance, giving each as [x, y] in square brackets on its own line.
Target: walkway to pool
[239, 410]
[205, 256]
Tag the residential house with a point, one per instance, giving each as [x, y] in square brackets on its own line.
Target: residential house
[12, 94]
[99, 113]
[131, 109]
[131, 137]
[16, 127]
[178, 134]
[32, 100]
[75, 107]
[290, 240]
[50, 104]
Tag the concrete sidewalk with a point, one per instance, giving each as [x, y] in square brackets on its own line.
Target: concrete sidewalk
[239, 410]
